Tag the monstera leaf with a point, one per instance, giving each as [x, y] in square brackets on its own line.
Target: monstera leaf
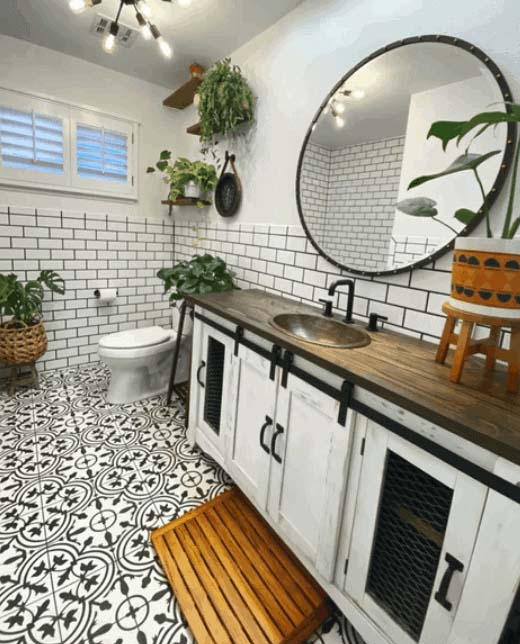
[418, 207]
[461, 164]
[447, 131]
[24, 301]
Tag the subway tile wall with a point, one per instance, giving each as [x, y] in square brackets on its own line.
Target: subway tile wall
[280, 259]
[90, 251]
[359, 184]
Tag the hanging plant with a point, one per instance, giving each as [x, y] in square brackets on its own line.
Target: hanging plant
[225, 100]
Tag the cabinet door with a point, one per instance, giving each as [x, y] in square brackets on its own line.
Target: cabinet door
[415, 527]
[211, 378]
[494, 573]
[309, 452]
[248, 455]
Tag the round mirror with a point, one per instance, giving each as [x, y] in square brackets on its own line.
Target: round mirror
[369, 141]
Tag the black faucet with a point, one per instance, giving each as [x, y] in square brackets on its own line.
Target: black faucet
[350, 300]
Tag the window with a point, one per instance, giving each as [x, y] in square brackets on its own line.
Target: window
[45, 143]
[31, 141]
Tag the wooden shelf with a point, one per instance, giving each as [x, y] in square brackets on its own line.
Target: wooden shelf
[184, 201]
[183, 97]
[194, 129]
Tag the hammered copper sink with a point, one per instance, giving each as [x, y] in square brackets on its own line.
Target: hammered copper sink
[316, 329]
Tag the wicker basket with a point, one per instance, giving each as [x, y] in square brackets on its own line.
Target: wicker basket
[22, 345]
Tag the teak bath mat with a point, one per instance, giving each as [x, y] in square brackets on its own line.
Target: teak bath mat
[235, 580]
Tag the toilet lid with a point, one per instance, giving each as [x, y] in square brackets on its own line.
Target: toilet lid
[135, 338]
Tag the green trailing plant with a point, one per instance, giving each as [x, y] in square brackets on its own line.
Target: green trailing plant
[225, 100]
[23, 302]
[447, 131]
[201, 275]
[179, 173]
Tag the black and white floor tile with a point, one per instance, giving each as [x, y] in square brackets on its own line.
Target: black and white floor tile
[82, 484]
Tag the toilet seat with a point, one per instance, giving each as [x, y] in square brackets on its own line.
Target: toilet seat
[135, 338]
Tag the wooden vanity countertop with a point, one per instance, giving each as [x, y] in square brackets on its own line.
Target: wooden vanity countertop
[396, 367]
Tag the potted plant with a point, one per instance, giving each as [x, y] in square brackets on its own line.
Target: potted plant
[195, 179]
[200, 275]
[224, 100]
[22, 337]
[486, 271]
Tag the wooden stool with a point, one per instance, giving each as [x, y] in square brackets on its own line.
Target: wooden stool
[17, 379]
[465, 346]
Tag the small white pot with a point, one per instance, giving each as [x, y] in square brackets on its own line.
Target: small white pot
[193, 190]
[486, 277]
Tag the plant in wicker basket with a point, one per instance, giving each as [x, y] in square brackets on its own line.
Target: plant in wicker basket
[22, 337]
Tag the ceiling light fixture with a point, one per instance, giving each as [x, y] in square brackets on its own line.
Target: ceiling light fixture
[336, 107]
[142, 15]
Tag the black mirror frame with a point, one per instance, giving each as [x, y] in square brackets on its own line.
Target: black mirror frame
[505, 165]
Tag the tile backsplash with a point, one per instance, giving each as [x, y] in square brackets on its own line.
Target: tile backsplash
[280, 259]
[90, 251]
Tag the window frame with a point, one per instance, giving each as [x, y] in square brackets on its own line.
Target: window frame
[69, 182]
[108, 123]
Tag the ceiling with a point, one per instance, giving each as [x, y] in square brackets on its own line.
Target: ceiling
[203, 32]
[388, 83]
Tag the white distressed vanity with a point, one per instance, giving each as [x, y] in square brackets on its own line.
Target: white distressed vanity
[411, 528]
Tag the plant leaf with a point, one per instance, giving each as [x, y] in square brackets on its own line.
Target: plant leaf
[149, 169]
[165, 155]
[446, 131]
[465, 215]
[514, 228]
[418, 207]
[462, 163]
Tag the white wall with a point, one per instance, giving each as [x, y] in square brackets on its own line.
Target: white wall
[294, 64]
[456, 101]
[36, 69]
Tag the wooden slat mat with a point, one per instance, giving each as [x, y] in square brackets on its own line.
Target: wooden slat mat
[235, 580]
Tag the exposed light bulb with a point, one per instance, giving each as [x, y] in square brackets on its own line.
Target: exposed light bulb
[165, 48]
[184, 3]
[326, 109]
[109, 43]
[77, 6]
[340, 121]
[339, 108]
[358, 93]
[145, 9]
[145, 32]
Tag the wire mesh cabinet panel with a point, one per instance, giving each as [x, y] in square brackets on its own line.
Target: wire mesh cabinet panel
[415, 527]
[210, 382]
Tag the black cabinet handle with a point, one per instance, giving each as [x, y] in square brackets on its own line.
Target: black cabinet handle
[268, 423]
[201, 367]
[454, 565]
[279, 430]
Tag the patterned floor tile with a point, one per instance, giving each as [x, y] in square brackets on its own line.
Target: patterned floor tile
[82, 484]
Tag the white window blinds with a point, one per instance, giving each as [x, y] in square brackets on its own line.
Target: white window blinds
[101, 154]
[29, 140]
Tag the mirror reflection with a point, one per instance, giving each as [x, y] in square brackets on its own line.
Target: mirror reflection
[370, 141]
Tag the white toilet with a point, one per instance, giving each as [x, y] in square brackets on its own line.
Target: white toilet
[140, 362]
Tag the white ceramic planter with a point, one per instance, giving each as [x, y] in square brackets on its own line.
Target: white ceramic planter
[176, 317]
[193, 190]
[486, 276]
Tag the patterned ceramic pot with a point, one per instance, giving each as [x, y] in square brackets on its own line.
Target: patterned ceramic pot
[486, 276]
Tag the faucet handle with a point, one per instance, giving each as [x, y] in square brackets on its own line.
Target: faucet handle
[373, 319]
[327, 307]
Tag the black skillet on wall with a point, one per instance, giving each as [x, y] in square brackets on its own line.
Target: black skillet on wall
[228, 192]
[494, 189]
